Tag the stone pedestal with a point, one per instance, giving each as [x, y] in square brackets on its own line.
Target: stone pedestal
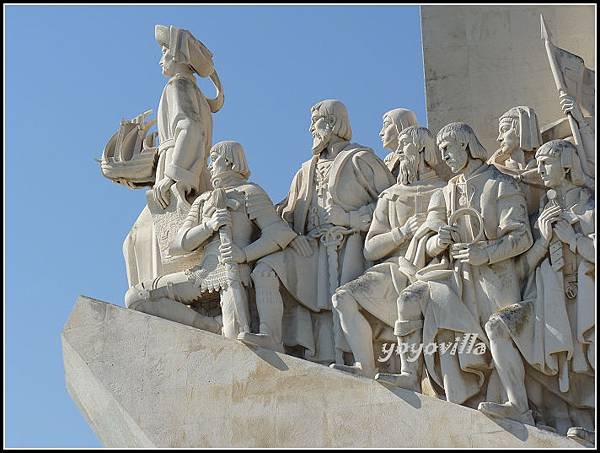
[142, 381]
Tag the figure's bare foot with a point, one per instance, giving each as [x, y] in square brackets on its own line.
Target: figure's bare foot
[506, 410]
[403, 380]
[582, 435]
[356, 369]
[261, 340]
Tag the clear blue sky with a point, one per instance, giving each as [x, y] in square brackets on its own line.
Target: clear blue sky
[72, 73]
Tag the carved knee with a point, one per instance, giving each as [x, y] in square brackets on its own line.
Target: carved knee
[495, 328]
[136, 295]
[409, 301]
[343, 301]
[264, 277]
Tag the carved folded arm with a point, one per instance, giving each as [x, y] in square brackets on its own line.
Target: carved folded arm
[286, 207]
[186, 152]
[528, 261]
[193, 232]
[275, 233]
[586, 247]
[436, 216]
[513, 233]
[381, 239]
[360, 219]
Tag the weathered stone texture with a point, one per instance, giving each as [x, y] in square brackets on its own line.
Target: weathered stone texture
[482, 60]
[142, 381]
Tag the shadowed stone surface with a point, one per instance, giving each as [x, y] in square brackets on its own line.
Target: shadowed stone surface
[142, 381]
[481, 60]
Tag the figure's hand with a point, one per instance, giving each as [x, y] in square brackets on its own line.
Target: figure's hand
[548, 216]
[232, 252]
[445, 235]
[412, 225]
[219, 218]
[469, 253]
[565, 232]
[161, 191]
[301, 246]
[337, 216]
[568, 104]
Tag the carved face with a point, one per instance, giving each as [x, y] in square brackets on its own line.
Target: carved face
[454, 154]
[508, 136]
[551, 171]
[321, 129]
[408, 154]
[219, 163]
[389, 134]
[406, 148]
[166, 62]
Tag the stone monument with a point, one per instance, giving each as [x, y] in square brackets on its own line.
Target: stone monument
[254, 325]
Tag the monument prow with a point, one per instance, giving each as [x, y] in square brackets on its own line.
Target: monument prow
[143, 381]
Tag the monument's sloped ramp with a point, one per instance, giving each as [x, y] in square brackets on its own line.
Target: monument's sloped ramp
[142, 381]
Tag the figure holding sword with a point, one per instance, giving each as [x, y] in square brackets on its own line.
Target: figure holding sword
[330, 206]
[223, 223]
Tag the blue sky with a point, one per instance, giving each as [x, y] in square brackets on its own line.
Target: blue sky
[71, 74]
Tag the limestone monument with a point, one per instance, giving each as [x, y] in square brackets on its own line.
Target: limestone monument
[249, 324]
[178, 164]
[222, 221]
[393, 239]
[330, 205]
[552, 329]
[394, 122]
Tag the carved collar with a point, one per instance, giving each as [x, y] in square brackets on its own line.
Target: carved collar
[460, 179]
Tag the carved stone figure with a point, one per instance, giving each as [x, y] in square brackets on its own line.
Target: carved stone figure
[575, 85]
[553, 327]
[587, 147]
[330, 205]
[394, 122]
[184, 123]
[400, 210]
[223, 223]
[519, 137]
[481, 216]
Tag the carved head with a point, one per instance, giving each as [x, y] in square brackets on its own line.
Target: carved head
[394, 122]
[518, 129]
[557, 161]
[329, 118]
[179, 47]
[228, 156]
[415, 144]
[458, 143]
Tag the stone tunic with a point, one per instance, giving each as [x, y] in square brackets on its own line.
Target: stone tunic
[557, 313]
[182, 105]
[355, 178]
[462, 298]
[377, 290]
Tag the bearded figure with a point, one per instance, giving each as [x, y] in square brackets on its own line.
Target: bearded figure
[394, 122]
[393, 237]
[330, 206]
[479, 220]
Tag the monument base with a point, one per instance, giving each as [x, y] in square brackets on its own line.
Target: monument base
[142, 381]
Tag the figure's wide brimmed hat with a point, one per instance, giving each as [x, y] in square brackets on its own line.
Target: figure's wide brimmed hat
[185, 48]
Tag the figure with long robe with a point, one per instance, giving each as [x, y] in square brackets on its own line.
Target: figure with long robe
[552, 329]
[330, 206]
[391, 239]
